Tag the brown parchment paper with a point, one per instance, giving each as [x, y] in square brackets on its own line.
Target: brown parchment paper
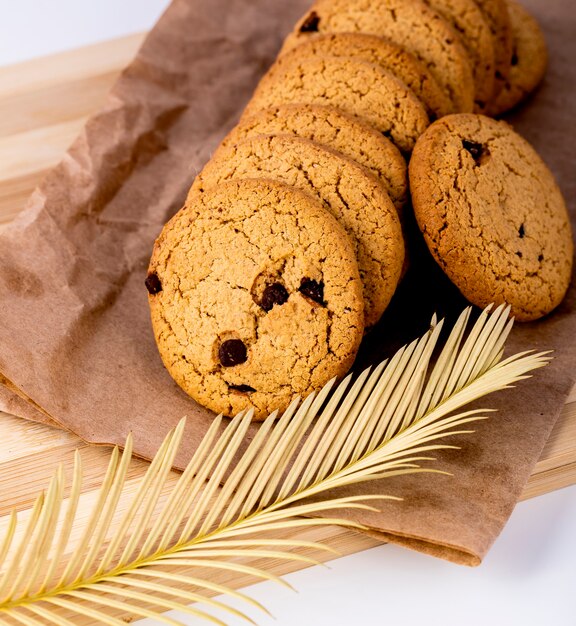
[12, 401]
[76, 347]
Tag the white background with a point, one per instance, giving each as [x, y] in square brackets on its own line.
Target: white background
[529, 577]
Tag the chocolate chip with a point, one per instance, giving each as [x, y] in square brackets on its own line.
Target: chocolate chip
[514, 58]
[477, 150]
[232, 352]
[521, 231]
[540, 258]
[312, 289]
[273, 294]
[241, 388]
[153, 284]
[310, 24]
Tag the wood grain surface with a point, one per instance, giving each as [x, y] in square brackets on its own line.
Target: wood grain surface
[43, 105]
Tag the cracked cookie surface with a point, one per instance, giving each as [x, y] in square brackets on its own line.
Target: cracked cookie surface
[528, 61]
[258, 299]
[349, 192]
[333, 128]
[468, 20]
[492, 214]
[355, 87]
[496, 14]
[390, 56]
[410, 24]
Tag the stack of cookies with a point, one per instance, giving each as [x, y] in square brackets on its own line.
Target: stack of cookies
[292, 240]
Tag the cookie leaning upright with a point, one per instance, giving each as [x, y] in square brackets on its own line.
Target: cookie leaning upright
[255, 297]
[528, 60]
[467, 19]
[389, 56]
[354, 87]
[353, 195]
[337, 130]
[492, 214]
[496, 15]
[410, 24]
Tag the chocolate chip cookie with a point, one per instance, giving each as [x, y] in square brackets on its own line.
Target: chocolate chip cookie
[410, 24]
[492, 214]
[350, 192]
[468, 20]
[528, 61]
[390, 56]
[255, 297]
[333, 128]
[496, 14]
[355, 87]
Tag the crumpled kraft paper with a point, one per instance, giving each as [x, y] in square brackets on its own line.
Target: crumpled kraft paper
[76, 347]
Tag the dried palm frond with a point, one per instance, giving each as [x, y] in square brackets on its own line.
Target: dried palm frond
[217, 514]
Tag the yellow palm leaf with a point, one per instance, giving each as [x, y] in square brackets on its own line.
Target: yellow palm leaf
[383, 424]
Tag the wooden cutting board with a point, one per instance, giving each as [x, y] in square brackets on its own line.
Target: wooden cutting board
[43, 105]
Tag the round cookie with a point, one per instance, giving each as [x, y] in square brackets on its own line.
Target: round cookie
[496, 14]
[389, 56]
[492, 214]
[255, 297]
[408, 23]
[348, 191]
[355, 87]
[468, 20]
[528, 62]
[345, 134]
